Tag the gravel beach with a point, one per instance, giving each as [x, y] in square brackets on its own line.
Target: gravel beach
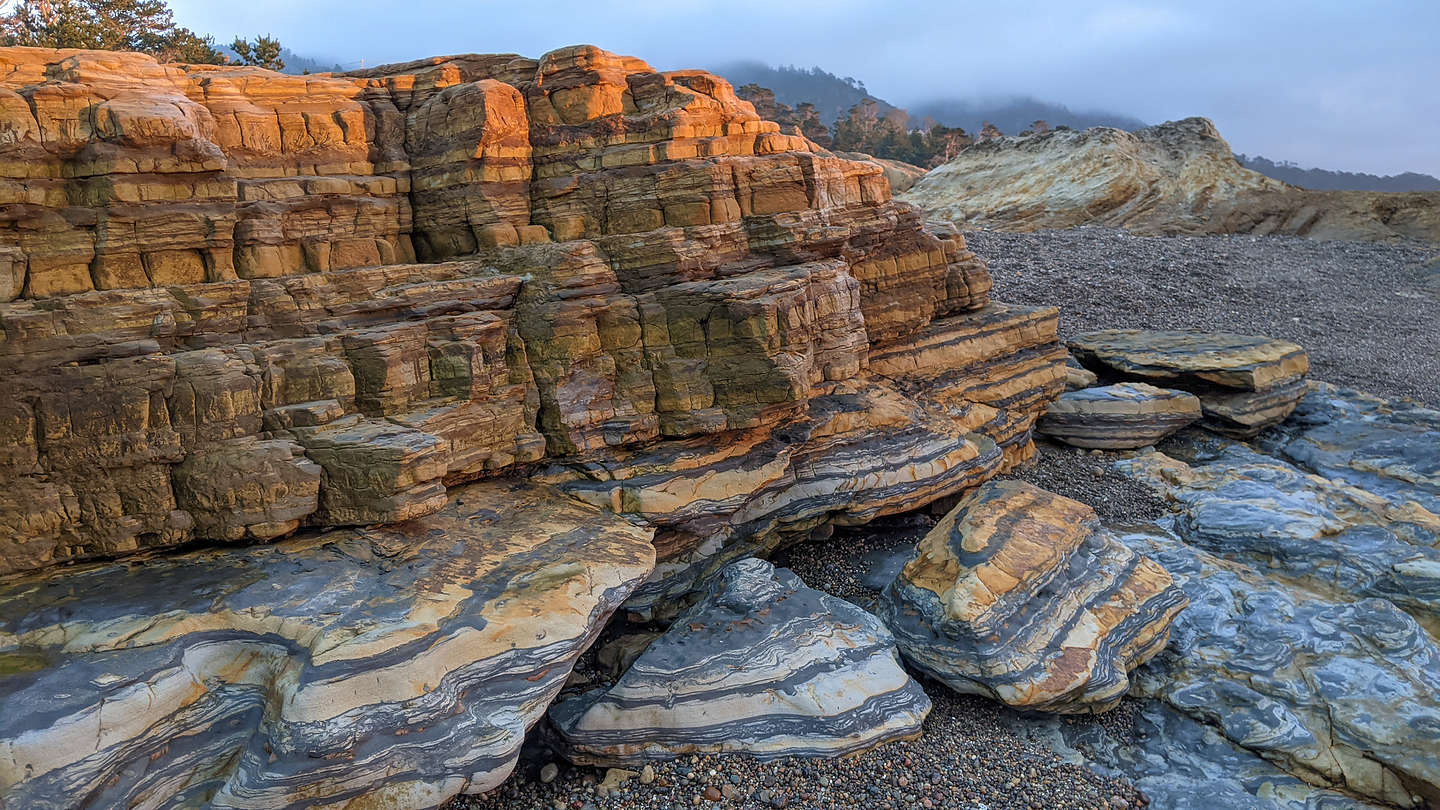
[1368, 314]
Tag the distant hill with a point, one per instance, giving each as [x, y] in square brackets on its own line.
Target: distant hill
[1014, 115]
[297, 64]
[1180, 177]
[1326, 180]
[832, 95]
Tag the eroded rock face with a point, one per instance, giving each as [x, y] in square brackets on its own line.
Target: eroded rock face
[762, 665]
[1176, 177]
[695, 318]
[1245, 383]
[1020, 595]
[402, 665]
[1120, 416]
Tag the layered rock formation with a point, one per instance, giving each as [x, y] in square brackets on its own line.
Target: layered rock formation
[1177, 177]
[900, 175]
[1021, 595]
[1245, 383]
[762, 665]
[220, 331]
[393, 667]
[1120, 416]
[237, 306]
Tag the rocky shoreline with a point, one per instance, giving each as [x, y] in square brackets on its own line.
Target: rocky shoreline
[368, 436]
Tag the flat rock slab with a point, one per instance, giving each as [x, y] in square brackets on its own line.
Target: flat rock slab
[1020, 595]
[762, 665]
[404, 663]
[1119, 416]
[1246, 383]
[1216, 359]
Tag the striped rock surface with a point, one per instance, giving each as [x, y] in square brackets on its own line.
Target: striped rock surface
[762, 665]
[1019, 594]
[1119, 416]
[1246, 383]
[386, 667]
[1272, 516]
[1387, 448]
[1340, 690]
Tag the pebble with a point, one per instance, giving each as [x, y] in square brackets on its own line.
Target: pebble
[549, 772]
[1363, 311]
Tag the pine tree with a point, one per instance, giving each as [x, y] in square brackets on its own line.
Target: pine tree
[263, 52]
[147, 26]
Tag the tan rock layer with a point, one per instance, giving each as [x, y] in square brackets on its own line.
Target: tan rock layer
[219, 332]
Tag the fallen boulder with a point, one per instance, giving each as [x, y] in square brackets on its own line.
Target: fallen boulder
[762, 665]
[1120, 416]
[1020, 595]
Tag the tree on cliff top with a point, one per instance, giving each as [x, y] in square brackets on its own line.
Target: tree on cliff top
[147, 26]
[263, 52]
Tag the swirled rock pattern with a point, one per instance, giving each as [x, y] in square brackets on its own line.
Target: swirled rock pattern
[1334, 538]
[1245, 383]
[238, 307]
[1183, 764]
[1176, 177]
[1021, 595]
[762, 665]
[1119, 416]
[624, 271]
[1340, 692]
[390, 667]
[1387, 448]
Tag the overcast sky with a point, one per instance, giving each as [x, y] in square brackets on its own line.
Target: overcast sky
[1339, 84]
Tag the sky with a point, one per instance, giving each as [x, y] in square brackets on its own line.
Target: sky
[1350, 85]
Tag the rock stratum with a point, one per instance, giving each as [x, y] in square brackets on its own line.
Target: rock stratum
[239, 308]
[762, 665]
[1175, 178]
[385, 667]
[1021, 595]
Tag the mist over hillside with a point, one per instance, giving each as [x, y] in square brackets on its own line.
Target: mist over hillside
[833, 96]
[1015, 115]
[1327, 180]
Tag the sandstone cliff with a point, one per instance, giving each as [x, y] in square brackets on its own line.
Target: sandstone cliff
[1178, 177]
[237, 306]
[242, 303]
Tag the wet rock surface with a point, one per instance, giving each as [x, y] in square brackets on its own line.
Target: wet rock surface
[763, 666]
[1339, 692]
